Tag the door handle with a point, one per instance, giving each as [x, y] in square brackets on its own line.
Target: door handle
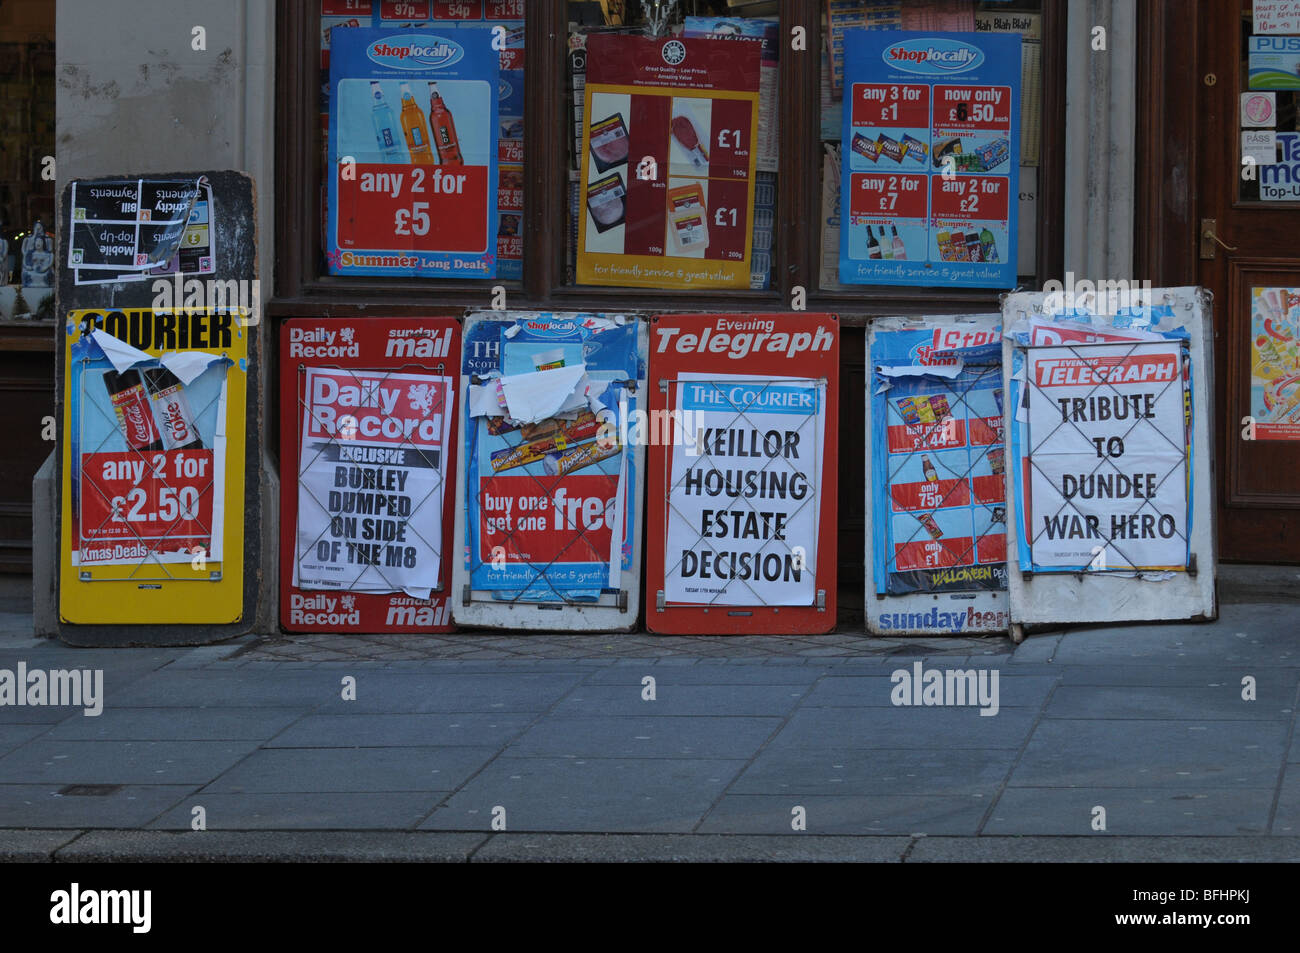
[1209, 238]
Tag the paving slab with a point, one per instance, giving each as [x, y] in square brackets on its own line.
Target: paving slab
[905, 727]
[1160, 811]
[252, 847]
[687, 848]
[1100, 849]
[11, 736]
[1287, 819]
[1272, 682]
[708, 672]
[320, 811]
[31, 846]
[847, 814]
[351, 770]
[1220, 702]
[439, 729]
[129, 806]
[599, 701]
[604, 795]
[649, 736]
[1149, 753]
[42, 761]
[177, 724]
[828, 771]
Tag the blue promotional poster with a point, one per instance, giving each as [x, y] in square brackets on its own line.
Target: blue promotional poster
[549, 500]
[938, 462]
[413, 129]
[931, 142]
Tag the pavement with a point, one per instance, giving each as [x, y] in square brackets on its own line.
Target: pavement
[1121, 743]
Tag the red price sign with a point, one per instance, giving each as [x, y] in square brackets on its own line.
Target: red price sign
[887, 195]
[933, 554]
[458, 9]
[891, 104]
[414, 207]
[728, 221]
[729, 158]
[505, 9]
[403, 9]
[972, 108]
[344, 8]
[968, 197]
[153, 495]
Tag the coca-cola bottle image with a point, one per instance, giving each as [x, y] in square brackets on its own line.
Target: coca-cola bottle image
[131, 407]
[171, 410]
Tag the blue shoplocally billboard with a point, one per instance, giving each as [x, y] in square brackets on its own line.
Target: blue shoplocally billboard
[931, 143]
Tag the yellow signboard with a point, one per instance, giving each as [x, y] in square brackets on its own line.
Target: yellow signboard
[153, 467]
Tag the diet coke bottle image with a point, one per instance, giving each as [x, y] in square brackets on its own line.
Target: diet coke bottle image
[131, 407]
[171, 410]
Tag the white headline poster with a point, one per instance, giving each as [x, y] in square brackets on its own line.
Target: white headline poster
[372, 481]
[744, 491]
[1108, 465]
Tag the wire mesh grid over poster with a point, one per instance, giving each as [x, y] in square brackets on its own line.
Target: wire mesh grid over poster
[683, 434]
[1175, 466]
[956, 427]
[157, 496]
[345, 429]
[555, 515]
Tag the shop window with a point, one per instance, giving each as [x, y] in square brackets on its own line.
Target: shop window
[1269, 85]
[773, 213]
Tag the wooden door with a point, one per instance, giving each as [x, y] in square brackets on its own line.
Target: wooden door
[1247, 222]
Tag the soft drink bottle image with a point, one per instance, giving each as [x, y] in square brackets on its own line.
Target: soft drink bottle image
[171, 410]
[444, 130]
[131, 408]
[381, 116]
[413, 125]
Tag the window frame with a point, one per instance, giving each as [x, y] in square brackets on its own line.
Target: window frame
[300, 287]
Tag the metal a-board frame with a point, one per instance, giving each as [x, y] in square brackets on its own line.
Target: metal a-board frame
[617, 605]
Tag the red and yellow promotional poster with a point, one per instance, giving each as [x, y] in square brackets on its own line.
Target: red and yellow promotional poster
[153, 466]
[668, 161]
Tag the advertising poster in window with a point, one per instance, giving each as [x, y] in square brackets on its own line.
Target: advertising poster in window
[669, 150]
[549, 502]
[367, 459]
[939, 460]
[1275, 363]
[413, 150]
[153, 467]
[931, 143]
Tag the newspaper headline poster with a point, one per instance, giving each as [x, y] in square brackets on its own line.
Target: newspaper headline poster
[931, 158]
[939, 462]
[1275, 363]
[1107, 457]
[153, 466]
[669, 149]
[549, 513]
[744, 503]
[371, 480]
[413, 129]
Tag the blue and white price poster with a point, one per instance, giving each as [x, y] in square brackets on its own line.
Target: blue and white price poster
[931, 159]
